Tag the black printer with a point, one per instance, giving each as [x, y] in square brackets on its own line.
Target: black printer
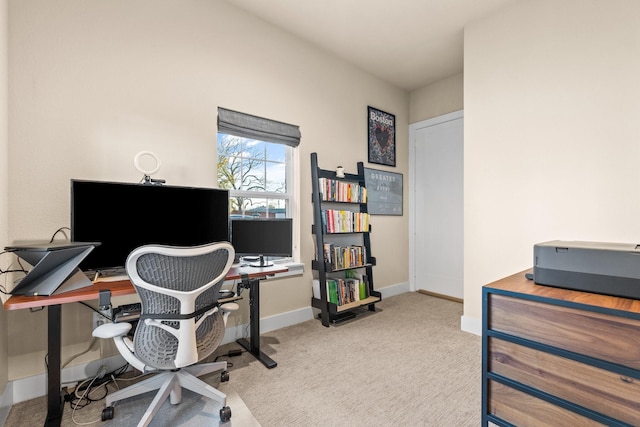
[604, 268]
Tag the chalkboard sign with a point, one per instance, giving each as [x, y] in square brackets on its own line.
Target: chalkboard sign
[384, 192]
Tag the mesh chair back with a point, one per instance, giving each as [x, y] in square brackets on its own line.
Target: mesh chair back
[156, 347]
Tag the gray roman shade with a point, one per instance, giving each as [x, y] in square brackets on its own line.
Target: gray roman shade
[248, 126]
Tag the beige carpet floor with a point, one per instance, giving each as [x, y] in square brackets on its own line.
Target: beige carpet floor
[407, 364]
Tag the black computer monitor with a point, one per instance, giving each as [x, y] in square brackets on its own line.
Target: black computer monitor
[262, 237]
[124, 216]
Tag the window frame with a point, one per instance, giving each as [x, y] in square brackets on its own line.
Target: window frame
[291, 195]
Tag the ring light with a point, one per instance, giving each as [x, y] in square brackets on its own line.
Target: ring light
[136, 162]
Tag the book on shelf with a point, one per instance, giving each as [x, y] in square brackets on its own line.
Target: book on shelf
[332, 190]
[339, 221]
[355, 274]
[332, 290]
[341, 257]
[348, 256]
[328, 250]
[341, 291]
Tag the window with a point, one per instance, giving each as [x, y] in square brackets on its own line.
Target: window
[256, 163]
[256, 174]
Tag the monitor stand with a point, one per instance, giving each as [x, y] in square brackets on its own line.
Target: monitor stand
[55, 267]
[261, 263]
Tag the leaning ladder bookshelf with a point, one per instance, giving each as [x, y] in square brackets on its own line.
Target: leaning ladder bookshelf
[343, 265]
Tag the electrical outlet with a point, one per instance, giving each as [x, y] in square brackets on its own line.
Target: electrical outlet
[97, 320]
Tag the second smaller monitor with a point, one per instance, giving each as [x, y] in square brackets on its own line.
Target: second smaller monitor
[262, 237]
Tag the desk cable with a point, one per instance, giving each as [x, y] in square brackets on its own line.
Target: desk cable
[60, 230]
[100, 380]
[3, 288]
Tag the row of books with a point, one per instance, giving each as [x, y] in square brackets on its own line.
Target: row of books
[345, 290]
[336, 221]
[341, 191]
[341, 257]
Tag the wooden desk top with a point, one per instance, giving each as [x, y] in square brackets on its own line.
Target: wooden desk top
[518, 283]
[119, 288]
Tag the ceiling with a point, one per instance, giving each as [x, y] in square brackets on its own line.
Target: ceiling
[408, 43]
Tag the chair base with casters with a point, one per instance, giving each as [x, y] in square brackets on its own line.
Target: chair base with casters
[182, 322]
[168, 384]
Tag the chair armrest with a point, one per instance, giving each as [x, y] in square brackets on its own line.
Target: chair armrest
[112, 330]
[229, 306]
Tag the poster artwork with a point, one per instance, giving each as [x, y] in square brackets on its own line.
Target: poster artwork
[382, 137]
[384, 192]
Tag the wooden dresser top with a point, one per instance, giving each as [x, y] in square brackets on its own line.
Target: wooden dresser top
[519, 284]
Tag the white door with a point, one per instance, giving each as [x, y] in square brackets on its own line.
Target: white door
[437, 207]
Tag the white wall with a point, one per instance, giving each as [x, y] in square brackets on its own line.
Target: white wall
[4, 177]
[94, 82]
[552, 137]
[437, 99]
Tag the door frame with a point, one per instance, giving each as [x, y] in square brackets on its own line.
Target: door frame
[413, 185]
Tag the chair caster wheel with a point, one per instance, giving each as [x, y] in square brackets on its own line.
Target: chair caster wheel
[225, 414]
[107, 413]
[224, 376]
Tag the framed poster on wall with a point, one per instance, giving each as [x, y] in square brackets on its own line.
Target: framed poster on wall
[384, 192]
[382, 137]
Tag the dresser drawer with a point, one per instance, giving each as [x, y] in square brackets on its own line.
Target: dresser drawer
[602, 336]
[524, 410]
[597, 389]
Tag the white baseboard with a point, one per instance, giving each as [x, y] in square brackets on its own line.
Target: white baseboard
[6, 401]
[35, 386]
[471, 324]
[282, 320]
[268, 324]
[396, 289]
[28, 388]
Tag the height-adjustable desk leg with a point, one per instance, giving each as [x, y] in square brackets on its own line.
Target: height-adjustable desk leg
[54, 398]
[253, 346]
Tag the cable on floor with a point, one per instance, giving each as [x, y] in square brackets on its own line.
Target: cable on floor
[82, 395]
[231, 353]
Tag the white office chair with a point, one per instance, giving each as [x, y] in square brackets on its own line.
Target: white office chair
[180, 324]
